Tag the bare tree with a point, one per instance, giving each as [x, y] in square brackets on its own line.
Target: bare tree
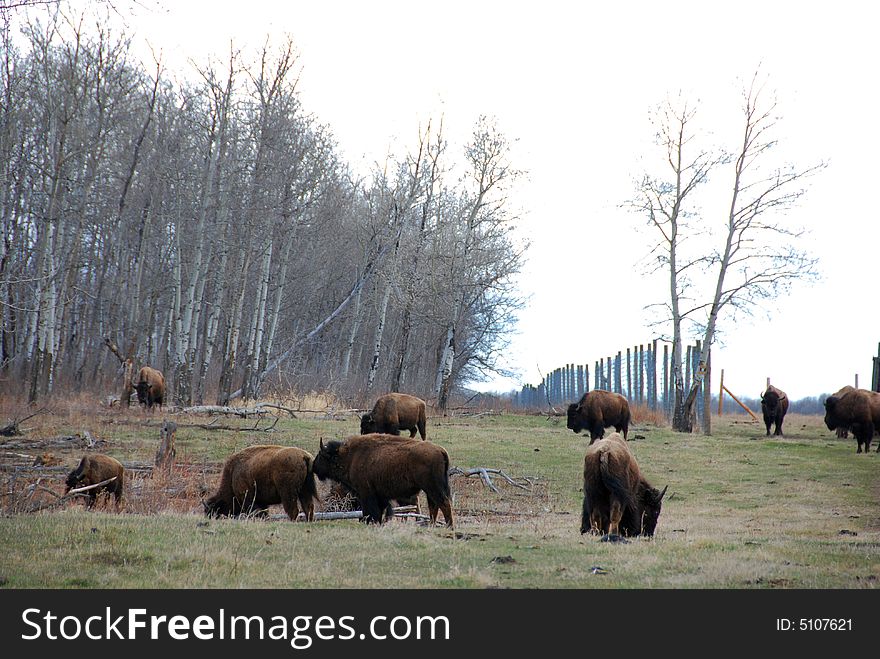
[756, 256]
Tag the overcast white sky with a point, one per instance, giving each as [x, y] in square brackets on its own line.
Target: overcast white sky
[573, 84]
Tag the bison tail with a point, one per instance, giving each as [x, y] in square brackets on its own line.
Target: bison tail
[614, 483]
[309, 488]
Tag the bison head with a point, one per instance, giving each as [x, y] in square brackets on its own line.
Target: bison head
[75, 476]
[327, 463]
[830, 416]
[368, 424]
[575, 419]
[72, 480]
[651, 511]
[143, 391]
[770, 401]
[216, 507]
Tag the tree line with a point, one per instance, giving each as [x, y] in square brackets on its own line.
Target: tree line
[211, 229]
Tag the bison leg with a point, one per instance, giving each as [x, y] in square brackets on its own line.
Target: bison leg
[372, 510]
[412, 432]
[446, 509]
[616, 514]
[307, 503]
[597, 523]
[291, 508]
[585, 517]
[421, 426]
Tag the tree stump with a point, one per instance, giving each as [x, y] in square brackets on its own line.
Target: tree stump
[165, 454]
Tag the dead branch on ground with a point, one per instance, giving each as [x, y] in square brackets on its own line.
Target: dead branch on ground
[483, 473]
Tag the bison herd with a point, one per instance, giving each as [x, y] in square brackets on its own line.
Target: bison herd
[379, 466]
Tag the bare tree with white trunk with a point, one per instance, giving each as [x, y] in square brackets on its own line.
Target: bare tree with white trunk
[720, 266]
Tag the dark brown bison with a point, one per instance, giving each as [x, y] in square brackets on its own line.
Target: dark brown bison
[597, 410]
[259, 476]
[857, 410]
[150, 387]
[774, 405]
[93, 469]
[379, 468]
[843, 431]
[393, 413]
[617, 499]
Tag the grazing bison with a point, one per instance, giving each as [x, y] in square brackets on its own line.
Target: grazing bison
[597, 410]
[393, 413]
[617, 499]
[379, 468]
[93, 469]
[774, 405]
[150, 387]
[857, 410]
[257, 477]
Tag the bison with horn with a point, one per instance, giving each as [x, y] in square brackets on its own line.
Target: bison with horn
[617, 498]
[379, 468]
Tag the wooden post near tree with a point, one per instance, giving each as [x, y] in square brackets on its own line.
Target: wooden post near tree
[707, 396]
[730, 393]
[165, 454]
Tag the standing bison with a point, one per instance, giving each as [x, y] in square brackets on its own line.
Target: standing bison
[843, 431]
[260, 476]
[393, 413]
[379, 468]
[597, 410]
[150, 387]
[857, 410]
[617, 499]
[93, 469]
[774, 405]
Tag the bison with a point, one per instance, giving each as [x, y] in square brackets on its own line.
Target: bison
[381, 467]
[857, 410]
[597, 410]
[150, 387]
[93, 469]
[259, 476]
[393, 413]
[843, 431]
[617, 499]
[774, 405]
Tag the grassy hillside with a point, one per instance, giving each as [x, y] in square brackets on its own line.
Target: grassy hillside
[742, 511]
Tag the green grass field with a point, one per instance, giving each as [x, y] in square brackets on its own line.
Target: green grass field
[742, 511]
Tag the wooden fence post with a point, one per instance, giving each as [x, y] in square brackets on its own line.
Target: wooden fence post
[666, 406]
[707, 396]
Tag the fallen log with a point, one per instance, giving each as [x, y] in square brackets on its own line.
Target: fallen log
[243, 412]
[399, 511]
